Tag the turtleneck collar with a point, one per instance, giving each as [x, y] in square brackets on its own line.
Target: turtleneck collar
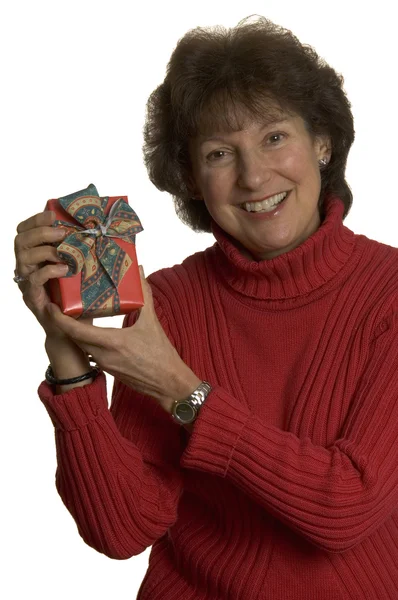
[293, 274]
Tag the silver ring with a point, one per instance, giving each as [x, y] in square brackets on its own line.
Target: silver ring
[19, 278]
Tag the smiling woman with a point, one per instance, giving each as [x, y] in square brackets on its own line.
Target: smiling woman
[218, 84]
[275, 349]
[272, 173]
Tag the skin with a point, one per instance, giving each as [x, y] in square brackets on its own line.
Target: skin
[255, 162]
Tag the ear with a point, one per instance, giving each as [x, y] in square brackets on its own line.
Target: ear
[323, 147]
[189, 173]
[193, 188]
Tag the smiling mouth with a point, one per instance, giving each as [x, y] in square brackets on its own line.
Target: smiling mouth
[268, 204]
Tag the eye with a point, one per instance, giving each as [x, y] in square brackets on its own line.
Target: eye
[276, 135]
[215, 155]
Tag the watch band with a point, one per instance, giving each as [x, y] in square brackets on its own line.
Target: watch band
[186, 411]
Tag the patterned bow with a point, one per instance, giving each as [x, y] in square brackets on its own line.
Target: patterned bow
[89, 248]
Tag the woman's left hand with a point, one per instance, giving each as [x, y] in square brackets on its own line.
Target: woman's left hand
[141, 356]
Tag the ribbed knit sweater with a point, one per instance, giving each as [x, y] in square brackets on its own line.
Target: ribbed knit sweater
[287, 488]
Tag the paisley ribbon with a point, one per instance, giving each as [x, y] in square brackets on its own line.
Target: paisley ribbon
[89, 248]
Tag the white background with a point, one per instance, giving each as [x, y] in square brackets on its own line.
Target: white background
[75, 78]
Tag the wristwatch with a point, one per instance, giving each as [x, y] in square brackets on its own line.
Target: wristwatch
[186, 411]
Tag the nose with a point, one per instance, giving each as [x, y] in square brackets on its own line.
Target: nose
[254, 172]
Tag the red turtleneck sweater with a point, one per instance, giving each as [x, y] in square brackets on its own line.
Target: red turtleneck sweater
[287, 488]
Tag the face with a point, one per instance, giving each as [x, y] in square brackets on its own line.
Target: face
[255, 163]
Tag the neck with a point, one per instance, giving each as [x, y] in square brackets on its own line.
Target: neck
[270, 254]
[293, 273]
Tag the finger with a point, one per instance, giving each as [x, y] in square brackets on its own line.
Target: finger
[147, 292]
[29, 260]
[40, 277]
[79, 331]
[46, 217]
[38, 236]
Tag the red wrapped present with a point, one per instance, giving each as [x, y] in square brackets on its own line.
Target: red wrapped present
[103, 277]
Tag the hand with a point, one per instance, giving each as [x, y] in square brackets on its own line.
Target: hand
[141, 356]
[33, 253]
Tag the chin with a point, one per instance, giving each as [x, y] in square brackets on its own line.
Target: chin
[273, 252]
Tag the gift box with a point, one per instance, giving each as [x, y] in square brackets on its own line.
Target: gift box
[103, 277]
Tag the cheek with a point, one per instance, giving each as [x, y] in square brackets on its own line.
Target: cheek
[299, 165]
[217, 182]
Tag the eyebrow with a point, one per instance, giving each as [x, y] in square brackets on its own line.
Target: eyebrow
[221, 138]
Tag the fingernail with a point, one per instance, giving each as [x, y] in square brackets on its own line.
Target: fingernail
[61, 233]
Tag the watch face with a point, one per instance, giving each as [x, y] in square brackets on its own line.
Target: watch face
[185, 412]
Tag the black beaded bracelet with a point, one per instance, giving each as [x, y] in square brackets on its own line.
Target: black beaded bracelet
[54, 381]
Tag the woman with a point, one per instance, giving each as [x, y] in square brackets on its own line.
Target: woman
[251, 437]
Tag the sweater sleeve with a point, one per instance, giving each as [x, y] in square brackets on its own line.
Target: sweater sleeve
[118, 469]
[334, 497]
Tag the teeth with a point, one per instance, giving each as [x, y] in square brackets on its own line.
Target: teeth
[264, 204]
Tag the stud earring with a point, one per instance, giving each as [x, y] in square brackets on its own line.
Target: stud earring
[323, 162]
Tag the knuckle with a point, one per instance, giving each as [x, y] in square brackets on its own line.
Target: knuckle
[112, 342]
[32, 278]
[43, 233]
[54, 253]
[17, 243]
[20, 270]
[39, 234]
[27, 298]
[122, 345]
[26, 224]
[44, 274]
[21, 255]
[39, 276]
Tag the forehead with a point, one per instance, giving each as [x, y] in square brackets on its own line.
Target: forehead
[252, 126]
[215, 124]
[217, 136]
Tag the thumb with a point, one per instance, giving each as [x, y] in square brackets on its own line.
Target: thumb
[52, 309]
[147, 293]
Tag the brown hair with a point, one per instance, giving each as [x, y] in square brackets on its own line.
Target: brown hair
[213, 70]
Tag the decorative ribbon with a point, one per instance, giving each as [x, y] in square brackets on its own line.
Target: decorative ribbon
[89, 248]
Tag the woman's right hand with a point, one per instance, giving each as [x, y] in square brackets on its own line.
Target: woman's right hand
[32, 252]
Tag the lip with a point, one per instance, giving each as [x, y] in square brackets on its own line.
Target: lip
[266, 216]
[265, 197]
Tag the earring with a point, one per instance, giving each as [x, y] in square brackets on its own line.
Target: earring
[323, 162]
